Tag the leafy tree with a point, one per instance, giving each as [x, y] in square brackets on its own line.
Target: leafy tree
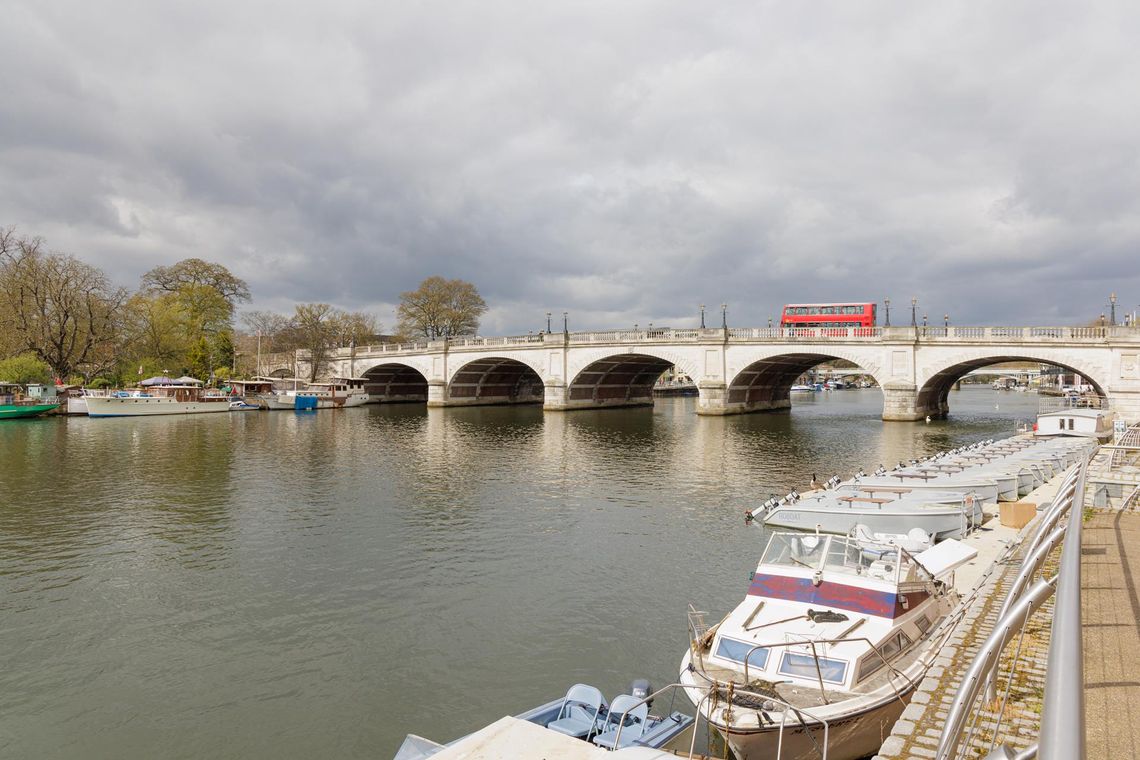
[158, 328]
[199, 297]
[440, 308]
[195, 274]
[24, 369]
[57, 307]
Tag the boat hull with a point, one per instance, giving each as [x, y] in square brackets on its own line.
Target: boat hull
[16, 411]
[849, 738]
[143, 406]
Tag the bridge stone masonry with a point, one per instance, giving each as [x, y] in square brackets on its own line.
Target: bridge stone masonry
[737, 370]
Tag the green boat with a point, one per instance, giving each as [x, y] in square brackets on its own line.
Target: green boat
[11, 411]
[13, 405]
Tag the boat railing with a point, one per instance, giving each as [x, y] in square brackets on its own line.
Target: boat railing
[1072, 401]
[712, 691]
[1062, 729]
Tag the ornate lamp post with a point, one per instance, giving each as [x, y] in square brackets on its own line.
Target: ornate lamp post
[548, 321]
[1102, 319]
[913, 312]
[702, 316]
[724, 316]
[924, 320]
[769, 323]
[565, 326]
[1112, 307]
[946, 320]
[887, 303]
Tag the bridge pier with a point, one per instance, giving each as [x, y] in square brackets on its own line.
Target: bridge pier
[715, 401]
[437, 393]
[900, 402]
[558, 399]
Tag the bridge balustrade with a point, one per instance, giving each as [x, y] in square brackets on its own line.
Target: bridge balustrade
[774, 334]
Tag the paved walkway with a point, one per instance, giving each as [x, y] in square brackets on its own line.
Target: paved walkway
[1110, 562]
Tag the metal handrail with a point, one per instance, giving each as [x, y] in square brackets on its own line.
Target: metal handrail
[985, 660]
[1062, 737]
[1064, 695]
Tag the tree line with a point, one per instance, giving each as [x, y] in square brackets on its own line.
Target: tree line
[63, 319]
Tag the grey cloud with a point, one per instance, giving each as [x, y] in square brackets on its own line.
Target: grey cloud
[624, 162]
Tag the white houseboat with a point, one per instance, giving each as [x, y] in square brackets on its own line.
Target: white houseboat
[318, 396]
[159, 396]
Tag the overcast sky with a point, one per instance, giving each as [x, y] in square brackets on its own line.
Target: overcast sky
[622, 161]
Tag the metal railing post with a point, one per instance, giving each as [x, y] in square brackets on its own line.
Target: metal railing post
[1062, 734]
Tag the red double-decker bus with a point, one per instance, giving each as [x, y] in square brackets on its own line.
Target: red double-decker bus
[829, 315]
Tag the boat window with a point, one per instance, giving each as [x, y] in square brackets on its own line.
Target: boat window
[923, 623]
[904, 641]
[870, 664]
[1070, 423]
[731, 649]
[890, 648]
[796, 550]
[804, 666]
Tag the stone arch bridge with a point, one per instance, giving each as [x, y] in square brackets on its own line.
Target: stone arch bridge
[736, 370]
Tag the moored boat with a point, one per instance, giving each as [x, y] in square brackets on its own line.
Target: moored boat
[823, 654]
[318, 396]
[942, 514]
[159, 396]
[577, 726]
[14, 404]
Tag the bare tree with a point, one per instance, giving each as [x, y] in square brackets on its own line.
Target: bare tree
[271, 326]
[440, 308]
[313, 329]
[353, 327]
[60, 309]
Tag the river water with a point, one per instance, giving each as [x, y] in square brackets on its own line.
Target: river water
[284, 585]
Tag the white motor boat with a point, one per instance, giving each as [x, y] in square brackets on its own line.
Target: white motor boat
[826, 649]
[159, 396]
[888, 509]
[916, 482]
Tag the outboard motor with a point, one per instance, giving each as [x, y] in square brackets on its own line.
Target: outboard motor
[641, 688]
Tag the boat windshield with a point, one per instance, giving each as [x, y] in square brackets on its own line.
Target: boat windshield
[844, 555]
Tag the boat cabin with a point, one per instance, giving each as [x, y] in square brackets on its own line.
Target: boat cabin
[1088, 423]
[827, 611]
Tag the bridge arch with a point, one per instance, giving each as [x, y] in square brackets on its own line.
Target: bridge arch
[936, 381]
[764, 382]
[395, 383]
[495, 380]
[622, 378]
